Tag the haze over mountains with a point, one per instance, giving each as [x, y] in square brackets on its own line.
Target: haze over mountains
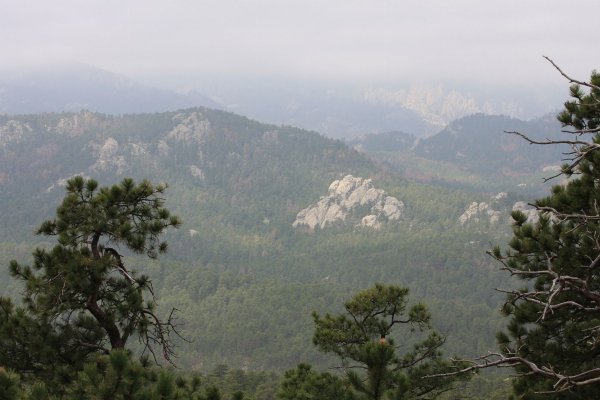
[244, 272]
[335, 110]
[244, 276]
[75, 87]
[311, 149]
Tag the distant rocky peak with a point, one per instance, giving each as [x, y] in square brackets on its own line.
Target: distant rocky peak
[439, 105]
[351, 199]
[191, 128]
[13, 131]
[478, 211]
[76, 124]
[108, 157]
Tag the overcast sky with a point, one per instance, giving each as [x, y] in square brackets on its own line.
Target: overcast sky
[371, 40]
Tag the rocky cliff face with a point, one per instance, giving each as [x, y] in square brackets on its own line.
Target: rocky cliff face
[496, 209]
[483, 210]
[351, 200]
[13, 131]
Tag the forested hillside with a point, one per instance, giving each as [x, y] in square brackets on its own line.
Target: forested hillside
[243, 279]
[476, 153]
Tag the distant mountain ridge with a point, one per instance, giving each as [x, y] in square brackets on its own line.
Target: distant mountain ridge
[439, 105]
[75, 87]
[220, 154]
[476, 150]
[482, 141]
[335, 110]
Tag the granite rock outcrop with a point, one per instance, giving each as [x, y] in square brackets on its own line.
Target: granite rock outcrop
[351, 200]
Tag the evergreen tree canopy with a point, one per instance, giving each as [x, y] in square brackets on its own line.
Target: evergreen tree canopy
[555, 318]
[364, 338]
[553, 336]
[79, 298]
[112, 377]
[302, 383]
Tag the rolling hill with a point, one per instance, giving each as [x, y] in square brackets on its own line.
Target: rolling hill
[244, 279]
[474, 153]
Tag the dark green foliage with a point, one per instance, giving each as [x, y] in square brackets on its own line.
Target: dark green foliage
[364, 338]
[79, 299]
[212, 393]
[302, 383]
[236, 383]
[34, 345]
[112, 377]
[555, 317]
[583, 112]
[9, 385]
[126, 214]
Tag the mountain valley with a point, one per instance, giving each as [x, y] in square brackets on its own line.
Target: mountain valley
[243, 277]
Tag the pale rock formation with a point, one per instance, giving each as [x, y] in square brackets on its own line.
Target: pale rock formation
[163, 148]
[13, 131]
[77, 124]
[496, 210]
[500, 196]
[196, 172]
[109, 148]
[192, 128]
[475, 211]
[494, 216]
[107, 157]
[551, 168]
[138, 149]
[437, 105]
[347, 197]
[370, 221]
[391, 207]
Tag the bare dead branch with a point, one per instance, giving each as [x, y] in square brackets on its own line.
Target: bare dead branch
[570, 216]
[549, 141]
[582, 83]
[562, 382]
[160, 335]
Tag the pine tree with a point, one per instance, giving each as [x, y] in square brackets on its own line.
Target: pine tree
[364, 337]
[553, 336]
[302, 383]
[554, 324]
[79, 298]
[9, 385]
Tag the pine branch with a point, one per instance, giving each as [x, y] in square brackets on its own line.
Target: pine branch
[571, 80]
